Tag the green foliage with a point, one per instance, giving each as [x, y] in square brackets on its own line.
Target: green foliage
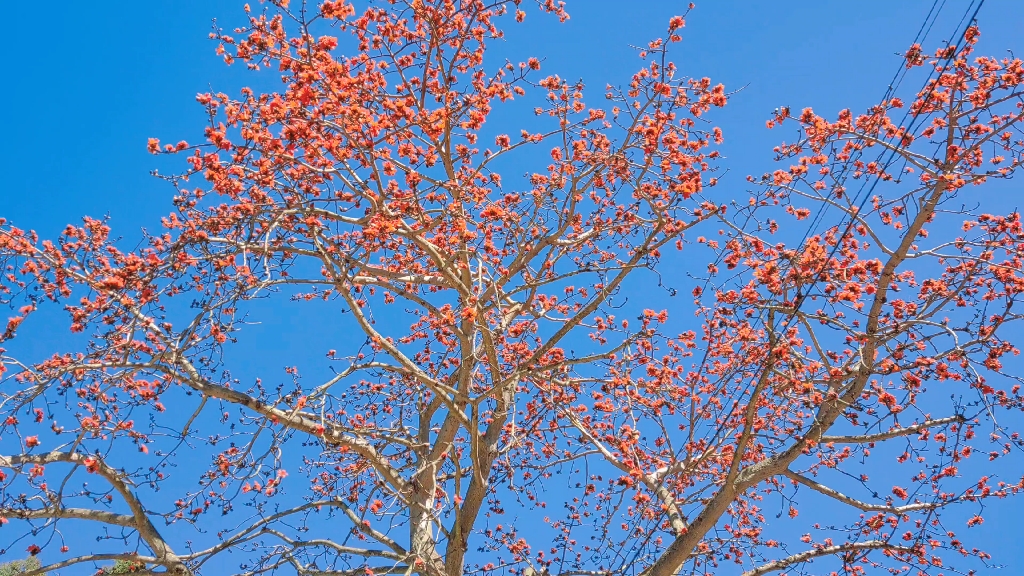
[123, 567]
[19, 566]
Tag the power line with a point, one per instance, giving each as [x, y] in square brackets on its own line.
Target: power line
[929, 21]
[893, 85]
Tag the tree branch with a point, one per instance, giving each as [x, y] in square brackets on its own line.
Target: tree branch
[783, 563]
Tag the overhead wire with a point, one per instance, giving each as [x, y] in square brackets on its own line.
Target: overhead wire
[802, 297]
[923, 31]
[898, 78]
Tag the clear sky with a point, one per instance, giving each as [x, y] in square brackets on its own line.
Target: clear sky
[88, 82]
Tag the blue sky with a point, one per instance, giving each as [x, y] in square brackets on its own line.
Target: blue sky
[88, 83]
[85, 92]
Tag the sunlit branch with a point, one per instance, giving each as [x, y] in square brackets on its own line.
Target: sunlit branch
[782, 564]
[864, 506]
[894, 433]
